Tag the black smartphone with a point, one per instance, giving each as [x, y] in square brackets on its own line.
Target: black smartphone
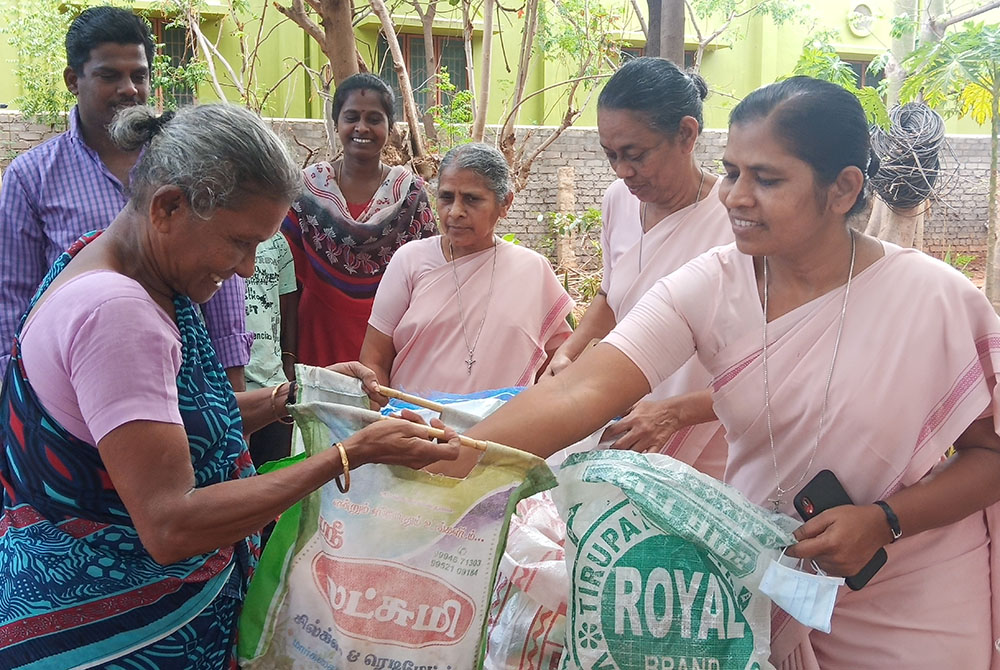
[820, 494]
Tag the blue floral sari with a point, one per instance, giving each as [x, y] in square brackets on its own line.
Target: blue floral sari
[77, 588]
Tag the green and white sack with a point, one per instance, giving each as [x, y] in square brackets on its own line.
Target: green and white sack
[397, 572]
[664, 566]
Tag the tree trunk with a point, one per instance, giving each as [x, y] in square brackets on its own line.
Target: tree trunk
[339, 44]
[992, 279]
[672, 31]
[430, 59]
[470, 70]
[641, 18]
[903, 227]
[405, 89]
[900, 49]
[336, 36]
[653, 28]
[930, 31]
[485, 71]
[507, 137]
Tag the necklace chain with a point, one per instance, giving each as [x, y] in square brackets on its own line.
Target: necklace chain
[471, 360]
[779, 490]
[642, 214]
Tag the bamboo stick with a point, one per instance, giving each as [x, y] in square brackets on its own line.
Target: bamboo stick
[412, 399]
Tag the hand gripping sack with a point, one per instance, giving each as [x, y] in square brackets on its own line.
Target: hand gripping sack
[396, 573]
[664, 566]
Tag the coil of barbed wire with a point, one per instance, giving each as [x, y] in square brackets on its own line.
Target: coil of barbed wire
[910, 155]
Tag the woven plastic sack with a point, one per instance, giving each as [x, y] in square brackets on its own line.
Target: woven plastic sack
[396, 573]
[527, 622]
[664, 566]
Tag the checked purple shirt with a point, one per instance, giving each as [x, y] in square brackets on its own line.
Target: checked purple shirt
[52, 195]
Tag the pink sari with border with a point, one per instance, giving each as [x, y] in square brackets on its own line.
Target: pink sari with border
[525, 318]
[918, 362]
[668, 245]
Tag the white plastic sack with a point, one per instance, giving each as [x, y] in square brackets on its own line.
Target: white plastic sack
[664, 564]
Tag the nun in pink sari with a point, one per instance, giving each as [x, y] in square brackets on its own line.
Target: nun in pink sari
[663, 210]
[466, 311]
[829, 350]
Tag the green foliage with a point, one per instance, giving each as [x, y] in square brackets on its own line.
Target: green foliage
[581, 31]
[779, 11]
[820, 60]
[171, 80]
[901, 26]
[585, 226]
[569, 223]
[37, 30]
[958, 75]
[960, 262]
[588, 288]
[512, 238]
[453, 117]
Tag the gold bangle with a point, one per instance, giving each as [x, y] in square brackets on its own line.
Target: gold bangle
[286, 419]
[288, 353]
[345, 487]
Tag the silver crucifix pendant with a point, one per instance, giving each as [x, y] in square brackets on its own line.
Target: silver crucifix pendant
[469, 362]
[775, 503]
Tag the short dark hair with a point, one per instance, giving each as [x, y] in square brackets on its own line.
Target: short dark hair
[365, 81]
[818, 122]
[657, 89]
[99, 25]
[486, 161]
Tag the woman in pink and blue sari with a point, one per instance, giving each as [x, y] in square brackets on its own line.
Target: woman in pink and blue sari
[130, 518]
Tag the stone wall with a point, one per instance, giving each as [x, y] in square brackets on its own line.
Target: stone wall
[958, 222]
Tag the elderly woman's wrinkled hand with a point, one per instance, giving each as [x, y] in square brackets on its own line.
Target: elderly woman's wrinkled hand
[402, 441]
[369, 381]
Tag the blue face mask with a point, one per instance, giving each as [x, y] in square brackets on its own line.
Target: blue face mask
[807, 597]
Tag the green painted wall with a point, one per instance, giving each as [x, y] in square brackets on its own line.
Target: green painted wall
[751, 53]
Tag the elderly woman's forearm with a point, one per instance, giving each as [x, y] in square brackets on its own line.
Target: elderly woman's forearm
[215, 516]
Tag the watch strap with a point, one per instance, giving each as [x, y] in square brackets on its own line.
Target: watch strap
[891, 517]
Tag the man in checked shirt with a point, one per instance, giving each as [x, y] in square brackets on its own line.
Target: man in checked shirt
[76, 182]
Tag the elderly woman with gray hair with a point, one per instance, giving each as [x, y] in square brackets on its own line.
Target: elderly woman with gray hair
[129, 519]
[466, 311]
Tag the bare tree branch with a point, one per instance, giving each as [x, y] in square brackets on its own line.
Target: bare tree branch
[470, 72]
[642, 19]
[485, 70]
[959, 18]
[297, 13]
[694, 20]
[551, 86]
[409, 106]
[530, 29]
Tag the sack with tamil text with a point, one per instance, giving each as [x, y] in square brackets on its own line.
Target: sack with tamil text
[665, 564]
[397, 572]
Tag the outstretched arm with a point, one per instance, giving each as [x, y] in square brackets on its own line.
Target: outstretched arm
[150, 466]
[560, 410]
[597, 322]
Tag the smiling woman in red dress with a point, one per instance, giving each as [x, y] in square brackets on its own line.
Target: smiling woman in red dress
[352, 217]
